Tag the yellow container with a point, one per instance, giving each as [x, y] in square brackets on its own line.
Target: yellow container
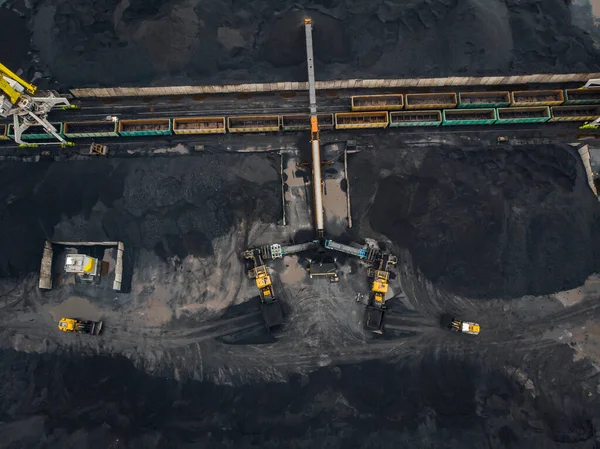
[389, 102]
[580, 113]
[442, 100]
[253, 123]
[199, 125]
[360, 120]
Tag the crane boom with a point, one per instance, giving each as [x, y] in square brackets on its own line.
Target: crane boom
[18, 100]
[314, 132]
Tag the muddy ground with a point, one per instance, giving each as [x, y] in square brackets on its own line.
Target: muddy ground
[111, 42]
[489, 233]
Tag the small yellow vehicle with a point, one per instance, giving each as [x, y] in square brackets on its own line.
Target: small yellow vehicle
[80, 326]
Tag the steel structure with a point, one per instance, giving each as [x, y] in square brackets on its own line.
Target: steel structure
[314, 133]
[19, 100]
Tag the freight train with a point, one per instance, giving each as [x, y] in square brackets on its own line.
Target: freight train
[369, 111]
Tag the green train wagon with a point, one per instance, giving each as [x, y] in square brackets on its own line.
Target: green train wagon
[145, 127]
[37, 132]
[582, 96]
[540, 114]
[451, 117]
[96, 128]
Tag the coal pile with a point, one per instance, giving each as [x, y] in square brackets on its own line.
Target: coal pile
[174, 206]
[501, 222]
[108, 42]
[57, 401]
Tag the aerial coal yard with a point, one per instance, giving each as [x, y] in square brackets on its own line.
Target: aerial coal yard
[342, 225]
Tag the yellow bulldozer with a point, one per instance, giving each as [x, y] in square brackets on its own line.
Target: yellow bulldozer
[271, 308]
[80, 326]
[379, 288]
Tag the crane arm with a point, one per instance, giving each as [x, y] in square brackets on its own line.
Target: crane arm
[314, 132]
[6, 72]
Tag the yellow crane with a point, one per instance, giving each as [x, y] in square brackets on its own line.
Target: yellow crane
[22, 101]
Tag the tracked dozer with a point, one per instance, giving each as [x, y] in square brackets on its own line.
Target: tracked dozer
[80, 326]
[270, 306]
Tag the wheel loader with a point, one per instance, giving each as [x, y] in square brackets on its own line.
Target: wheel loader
[457, 325]
[80, 326]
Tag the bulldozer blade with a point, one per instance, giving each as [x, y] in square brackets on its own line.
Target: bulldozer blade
[96, 328]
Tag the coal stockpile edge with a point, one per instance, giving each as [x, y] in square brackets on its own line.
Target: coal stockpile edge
[173, 206]
[106, 43]
[442, 400]
[493, 222]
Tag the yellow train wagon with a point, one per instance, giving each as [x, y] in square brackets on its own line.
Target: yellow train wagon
[199, 125]
[575, 113]
[360, 120]
[253, 123]
[524, 98]
[388, 102]
[301, 122]
[441, 100]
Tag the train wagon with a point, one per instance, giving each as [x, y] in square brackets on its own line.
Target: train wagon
[523, 115]
[3, 132]
[145, 127]
[574, 113]
[36, 132]
[301, 122]
[253, 123]
[387, 102]
[484, 99]
[444, 100]
[199, 125]
[582, 96]
[524, 98]
[415, 118]
[468, 117]
[91, 129]
[359, 120]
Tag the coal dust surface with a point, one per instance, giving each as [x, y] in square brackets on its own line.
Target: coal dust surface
[490, 223]
[59, 401]
[136, 42]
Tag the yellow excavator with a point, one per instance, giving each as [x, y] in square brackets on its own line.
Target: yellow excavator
[80, 326]
[271, 307]
[379, 288]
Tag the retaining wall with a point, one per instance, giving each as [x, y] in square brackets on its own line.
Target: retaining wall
[339, 84]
